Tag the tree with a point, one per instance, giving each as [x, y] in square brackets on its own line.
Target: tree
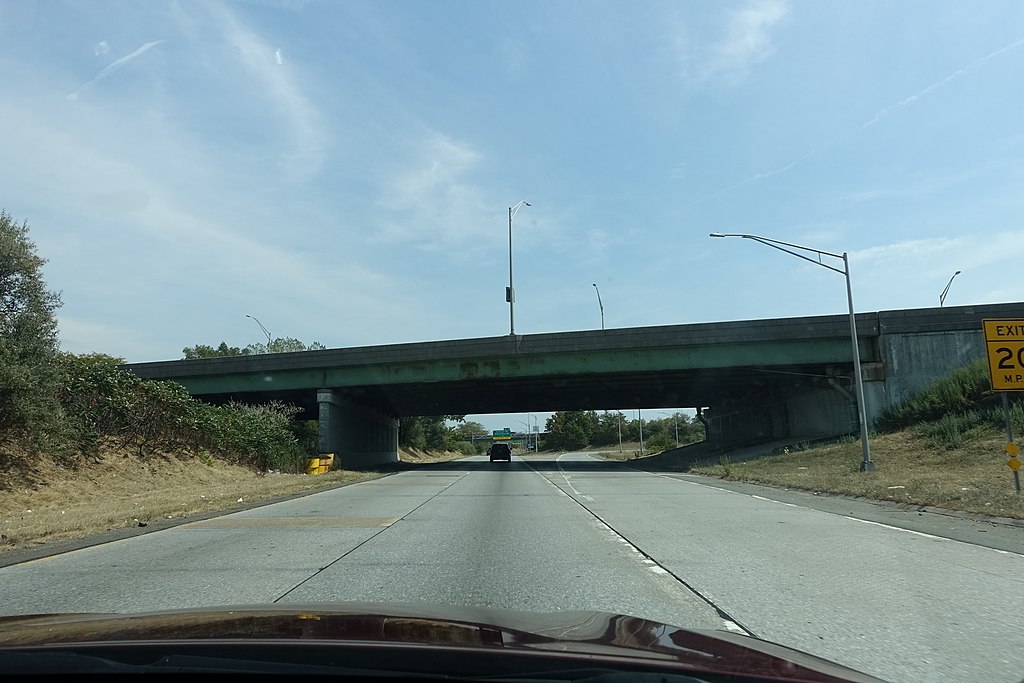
[283, 345]
[428, 431]
[607, 430]
[278, 345]
[29, 346]
[206, 351]
[465, 431]
[569, 430]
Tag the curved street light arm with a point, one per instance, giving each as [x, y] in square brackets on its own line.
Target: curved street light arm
[942, 297]
[599, 303]
[515, 209]
[265, 330]
[775, 244]
[866, 464]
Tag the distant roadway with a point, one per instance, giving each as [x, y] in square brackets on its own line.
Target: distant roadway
[577, 532]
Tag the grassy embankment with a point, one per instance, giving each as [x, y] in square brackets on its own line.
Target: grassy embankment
[944, 449]
[117, 489]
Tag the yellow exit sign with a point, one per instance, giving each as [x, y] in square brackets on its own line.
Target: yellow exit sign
[1004, 346]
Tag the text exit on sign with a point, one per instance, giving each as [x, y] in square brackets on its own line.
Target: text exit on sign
[1004, 346]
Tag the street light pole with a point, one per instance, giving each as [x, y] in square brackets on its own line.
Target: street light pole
[262, 328]
[640, 419]
[618, 420]
[600, 304]
[942, 297]
[866, 464]
[510, 293]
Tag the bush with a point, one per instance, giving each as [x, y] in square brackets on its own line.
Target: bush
[953, 430]
[102, 400]
[307, 434]
[66, 404]
[257, 435]
[662, 441]
[964, 389]
[467, 448]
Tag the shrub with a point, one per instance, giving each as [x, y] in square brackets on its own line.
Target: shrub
[964, 389]
[662, 441]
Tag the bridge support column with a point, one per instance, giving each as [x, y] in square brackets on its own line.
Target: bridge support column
[357, 435]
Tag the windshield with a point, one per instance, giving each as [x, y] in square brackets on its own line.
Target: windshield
[674, 310]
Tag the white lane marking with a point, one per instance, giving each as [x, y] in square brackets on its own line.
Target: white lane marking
[793, 505]
[938, 538]
[651, 563]
[772, 500]
[569, 483]
[895, 528]
[734, 627]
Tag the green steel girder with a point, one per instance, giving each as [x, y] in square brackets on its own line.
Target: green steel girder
[706, 357]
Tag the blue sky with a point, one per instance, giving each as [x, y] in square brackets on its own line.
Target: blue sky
[343, 170]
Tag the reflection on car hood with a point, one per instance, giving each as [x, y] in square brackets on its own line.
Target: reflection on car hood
[593, 634]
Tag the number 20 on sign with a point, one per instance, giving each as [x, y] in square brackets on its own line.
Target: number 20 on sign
[1004, 347]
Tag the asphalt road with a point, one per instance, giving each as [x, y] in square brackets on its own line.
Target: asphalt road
[905, 602]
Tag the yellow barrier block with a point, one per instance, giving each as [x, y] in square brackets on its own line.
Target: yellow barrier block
[312, 465]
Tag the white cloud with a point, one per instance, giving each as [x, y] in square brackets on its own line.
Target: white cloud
[114, 66]
[308, 137]
[875, 118]
[152, 233]
[911, 99]
[747, 42]
[748, 39]
[430, 202]
[911, 273]
[911, 251]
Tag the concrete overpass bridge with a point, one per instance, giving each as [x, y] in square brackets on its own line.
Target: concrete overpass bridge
[755, 379]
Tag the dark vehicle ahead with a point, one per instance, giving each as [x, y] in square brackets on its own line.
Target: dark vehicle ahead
[500, 451]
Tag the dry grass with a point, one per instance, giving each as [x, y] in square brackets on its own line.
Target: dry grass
[973, 478]
[46, 502]
[630, 451]
[415, 455]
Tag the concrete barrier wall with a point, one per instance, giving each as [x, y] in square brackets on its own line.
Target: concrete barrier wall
[914, 361]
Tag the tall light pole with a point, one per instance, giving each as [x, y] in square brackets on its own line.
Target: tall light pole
[618, 419]
[262, 328]
[942, 297]
[528, 428]
[641, 421]
[866, 464]
[510, 293]
[598, 289]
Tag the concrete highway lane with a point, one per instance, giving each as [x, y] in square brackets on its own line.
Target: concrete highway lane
[574, 532]
[470, 533]
[900, 604]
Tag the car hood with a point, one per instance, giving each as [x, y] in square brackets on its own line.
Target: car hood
[595, 635]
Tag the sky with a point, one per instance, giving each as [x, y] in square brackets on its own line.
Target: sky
[343, 170]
